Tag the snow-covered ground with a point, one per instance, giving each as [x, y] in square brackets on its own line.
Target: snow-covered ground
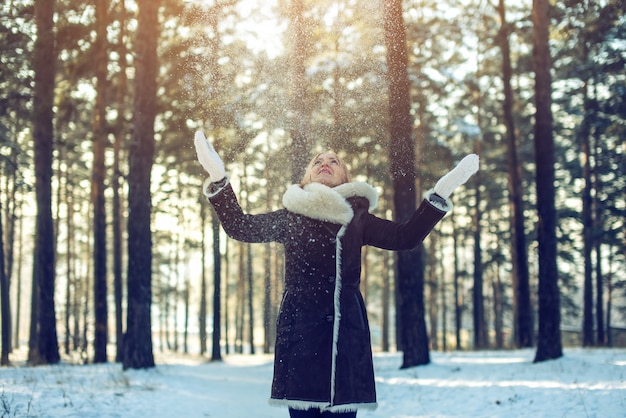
[583, 383]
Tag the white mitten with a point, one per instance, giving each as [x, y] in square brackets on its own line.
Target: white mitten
[457, 176]
[209, 159]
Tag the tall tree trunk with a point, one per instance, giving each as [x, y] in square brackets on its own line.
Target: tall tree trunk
[250, 276]
[227, 304]
[597, 242]
[268, 337]
[433, 290]
[33, 334]
[216, 353]
[277, 283]
[443, 303]
[240, 296]
[163, 311]
[549, 338]
[587, 217]
[12, 203]
[498, 309]
[138, 341]
[458, 298]
[386, 295]
[300, 143]
[522, 308]
[267, 297]
[609, 299]
[180, 281]
[117, 249]
[410, 267]
[69, 260]
[18, 284]
[47, 350]
[165, 299]
[85, 298]
[601, 338]
[481, 333]
[202, 316]
[116, 184]
[97, 186]
[498, 301]
[186, 295]
[481, 339]
[4, 303]
[177, 280]
[76, 305]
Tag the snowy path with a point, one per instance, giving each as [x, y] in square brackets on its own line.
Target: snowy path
[584, 383]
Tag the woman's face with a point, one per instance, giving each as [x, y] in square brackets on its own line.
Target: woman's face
[326, 168]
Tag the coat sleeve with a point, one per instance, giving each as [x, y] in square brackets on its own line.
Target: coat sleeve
[390, 235]
[244, 227]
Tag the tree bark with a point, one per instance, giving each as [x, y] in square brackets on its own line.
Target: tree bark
[587, 217]
[481, 339]
[549, 337]
[47, 348]
[4, 303]
[138, 341]
[240, 292]
[597, 242]
[250, 289]
[227, 297]
[267, 297]
[386, 294]
[18, 284]
[202, 316]
[70, 281]
[458, 297]
[410, 266]
[522, 308]
[216, 353]
[11, 206]
[97, 186]
[186, 295]
[433, 286]
[116, 184]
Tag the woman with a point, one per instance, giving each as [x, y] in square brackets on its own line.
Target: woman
[323, 359]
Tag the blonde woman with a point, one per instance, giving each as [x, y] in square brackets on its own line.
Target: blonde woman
[323, 357]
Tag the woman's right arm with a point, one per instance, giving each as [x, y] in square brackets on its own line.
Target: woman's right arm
[238, 225]
[244, 227]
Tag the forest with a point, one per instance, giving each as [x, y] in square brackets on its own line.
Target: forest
[110, 251]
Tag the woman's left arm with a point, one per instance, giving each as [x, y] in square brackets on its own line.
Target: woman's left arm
[391, 235]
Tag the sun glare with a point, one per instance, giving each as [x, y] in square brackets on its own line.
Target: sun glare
[261, 27]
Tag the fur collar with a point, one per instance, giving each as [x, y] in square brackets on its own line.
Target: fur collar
[324, 203]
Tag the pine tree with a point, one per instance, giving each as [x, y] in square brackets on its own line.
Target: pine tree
[410, 269]
[138, 340]
[549, 338]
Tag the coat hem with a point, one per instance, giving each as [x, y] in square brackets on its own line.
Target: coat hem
[322, 406]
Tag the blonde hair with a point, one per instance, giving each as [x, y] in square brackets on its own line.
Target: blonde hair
[306, 179]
